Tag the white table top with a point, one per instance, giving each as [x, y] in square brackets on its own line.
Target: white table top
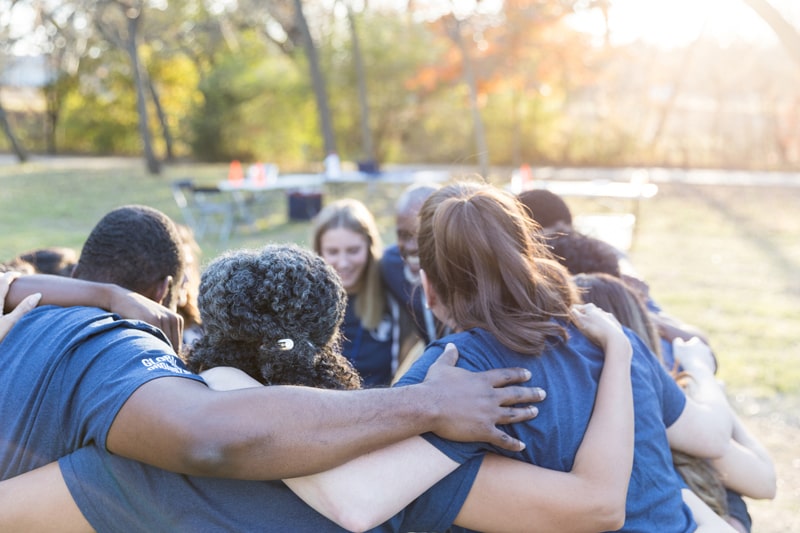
[307, 181]
[598, 188]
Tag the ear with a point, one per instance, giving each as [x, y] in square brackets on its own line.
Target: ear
[161, 290]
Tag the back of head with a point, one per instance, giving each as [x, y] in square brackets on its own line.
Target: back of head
[57, 261]
[413, 197]
[136, 247]
[275, 314]
[582, 254]
[480, 257]
[613, 296]
[546, 208]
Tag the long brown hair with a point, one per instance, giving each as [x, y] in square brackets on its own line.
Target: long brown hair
[478, 251]
[352, 215]
[613, 296]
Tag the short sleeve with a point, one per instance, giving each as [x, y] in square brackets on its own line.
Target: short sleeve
[459, 452]
[673, 399]
[438, 507]
[107, 369]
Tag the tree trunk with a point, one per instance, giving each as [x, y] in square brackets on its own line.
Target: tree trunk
[162, 119]
[52, 114]
[677, 87]
[366, 133]
[19, 151]
[153, 165]
[317, 81]
[787, 34]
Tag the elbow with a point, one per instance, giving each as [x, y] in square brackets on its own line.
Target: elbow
[604, 510]
[209, 458]
[212, 453]
[611, 516]
[767, 488]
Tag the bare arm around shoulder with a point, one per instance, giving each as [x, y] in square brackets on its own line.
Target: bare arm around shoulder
[39, 502]
[370, 489]
[707, 520]
[511, 496]
[746, 466]
[705, 426]
[280, 431]
[59, 290]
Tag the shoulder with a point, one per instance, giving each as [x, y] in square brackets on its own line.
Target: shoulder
[392, 265]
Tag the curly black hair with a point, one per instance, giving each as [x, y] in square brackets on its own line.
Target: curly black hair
[274, 313]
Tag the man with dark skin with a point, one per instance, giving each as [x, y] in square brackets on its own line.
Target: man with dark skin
[400, 263]
[152, 410]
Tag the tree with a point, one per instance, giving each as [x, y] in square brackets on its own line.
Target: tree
[125, 34]
[317, 80]
[787, 34]
[19, 151]
[361, 81]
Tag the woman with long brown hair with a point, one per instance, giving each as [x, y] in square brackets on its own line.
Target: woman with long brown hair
[482, 276]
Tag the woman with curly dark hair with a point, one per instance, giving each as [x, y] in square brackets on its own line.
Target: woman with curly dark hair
[275, 314]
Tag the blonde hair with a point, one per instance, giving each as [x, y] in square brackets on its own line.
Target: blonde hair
[353, 215]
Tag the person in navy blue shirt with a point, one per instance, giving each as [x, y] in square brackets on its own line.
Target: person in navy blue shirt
[83, 376]
[346, 236]
[480, 271]
[274, 314]
[400, 263]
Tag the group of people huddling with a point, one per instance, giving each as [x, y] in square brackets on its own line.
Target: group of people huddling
[495, 370]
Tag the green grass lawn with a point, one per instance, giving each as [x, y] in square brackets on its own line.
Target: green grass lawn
[726, 259]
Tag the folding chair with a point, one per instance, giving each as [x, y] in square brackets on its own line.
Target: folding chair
[205, 208]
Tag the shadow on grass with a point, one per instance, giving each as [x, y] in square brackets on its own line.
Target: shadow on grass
[755, 234]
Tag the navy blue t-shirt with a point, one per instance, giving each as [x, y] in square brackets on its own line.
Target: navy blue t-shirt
[120, 495]
[569, 372]
[408, 295]
[66, 373]
[370, 351]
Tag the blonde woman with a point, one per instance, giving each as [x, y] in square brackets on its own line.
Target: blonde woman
[347, 238]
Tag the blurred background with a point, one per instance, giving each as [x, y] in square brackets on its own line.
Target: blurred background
[678, 83]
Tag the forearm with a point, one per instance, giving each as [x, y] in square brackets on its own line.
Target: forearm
[604, 460]
[746, 467]
[370, 489]
[59, 290]
[39, 502]
[316, 430]
[711, 403]
[707, 520]
[605, 457]
[263, 433]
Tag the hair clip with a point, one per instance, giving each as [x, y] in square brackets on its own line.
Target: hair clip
[285, 344]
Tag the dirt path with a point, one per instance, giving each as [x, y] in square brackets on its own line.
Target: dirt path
[776, 423]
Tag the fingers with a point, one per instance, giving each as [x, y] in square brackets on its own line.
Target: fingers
[5, 282]
[172, 326]
[500, 377]
[8, 321]
[519, 395]
[30, 301]
[449, 355]
[505, 441]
